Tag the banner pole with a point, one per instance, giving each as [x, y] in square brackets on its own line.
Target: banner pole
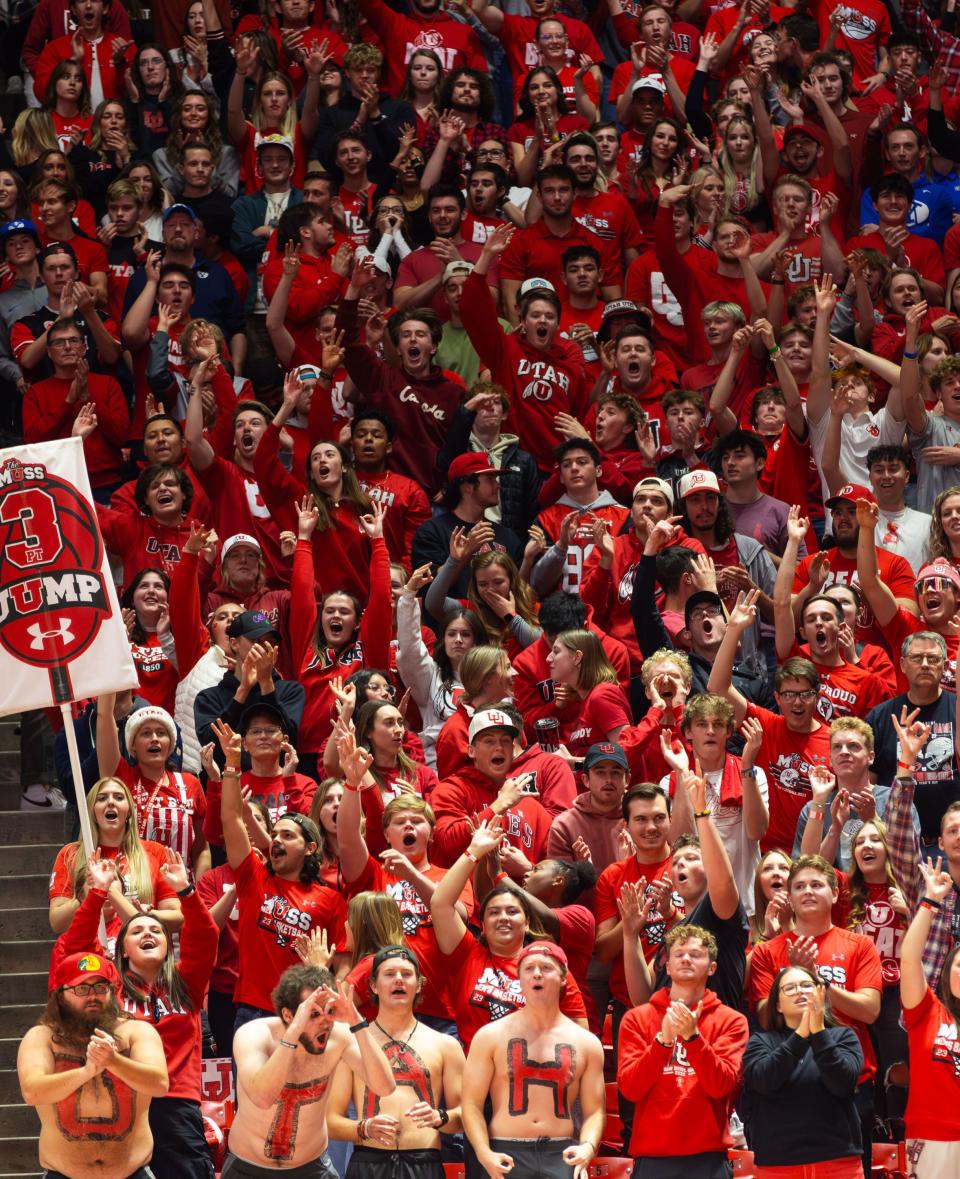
[86, 831]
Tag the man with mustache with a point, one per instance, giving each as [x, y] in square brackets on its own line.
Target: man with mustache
[285, 1066]
[83, 1068]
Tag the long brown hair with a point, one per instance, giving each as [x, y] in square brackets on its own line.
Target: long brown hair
[939, 545]
[365, 719]
[375, 922]
[170, 982]
[64, 1026]
[760, 902]
[523, 595]
[859, 889]
[595, 667]
[134, 858]
[350, 488]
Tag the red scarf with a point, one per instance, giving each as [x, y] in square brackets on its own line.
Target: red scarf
[731, 787]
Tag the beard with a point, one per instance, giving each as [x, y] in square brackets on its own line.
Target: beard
[71, 1028]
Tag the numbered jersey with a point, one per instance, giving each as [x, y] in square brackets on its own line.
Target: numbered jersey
[646, 286]
[551, 521]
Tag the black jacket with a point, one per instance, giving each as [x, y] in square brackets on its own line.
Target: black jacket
[431, 543]
[382, 137]
[520, 482]
[800, 1096]
[218, 704]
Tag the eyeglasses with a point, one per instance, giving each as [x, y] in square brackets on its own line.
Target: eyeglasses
[918, 660]
[264, 732]
[798, 988]
[806, 695]
[82, 990]
[706, 612]
[64, 342]
[389, 690]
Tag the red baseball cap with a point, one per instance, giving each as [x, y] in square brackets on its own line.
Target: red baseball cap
[802, 129]
[84, 967]
[547, 949]
[851, 492]
[465, 466]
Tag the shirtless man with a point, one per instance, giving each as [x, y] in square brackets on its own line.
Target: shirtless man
[399, 1137]
[534, 1065]
[82, 1067]
[285, 1064]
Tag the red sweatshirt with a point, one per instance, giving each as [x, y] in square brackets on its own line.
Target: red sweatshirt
[462, 796]
[371, 648]
[179, 1027]
[142, 542]
[315, 287]
[609, 592]
[47, 416]
[234, 495]
[421, 408]
[341, 553]
[684, 1093]
[540, 384]
[406, 505]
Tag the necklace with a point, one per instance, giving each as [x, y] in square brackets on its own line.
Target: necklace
[401, 1040]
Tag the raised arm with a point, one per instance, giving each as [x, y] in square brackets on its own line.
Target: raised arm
[136, 323]
[721, 674]
[108, 739]
[821, 383]
[354, 764]
[235, 837]
[721, 883]
[880, 597]
[937, 887]
[914, 411]
[448, 925]
[784, 623]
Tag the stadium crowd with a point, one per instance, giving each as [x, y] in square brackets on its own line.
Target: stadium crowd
[527, 443]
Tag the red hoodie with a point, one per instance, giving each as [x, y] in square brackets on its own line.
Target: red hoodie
[461, 797]
[317, 669]
[316, 286]
[683, 1093]
[609, 592]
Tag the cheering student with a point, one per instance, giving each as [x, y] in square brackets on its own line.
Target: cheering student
[398, 1136]
[534, 1066]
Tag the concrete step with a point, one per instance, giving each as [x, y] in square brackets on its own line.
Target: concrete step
[32, 827]
[32, 858]
[9, 1047]
[19, 1120]
[27, 955]
[22, 924]
[21, 1156]
[10, 1087]
[18, 1018]
[24, 987]
[24, 889]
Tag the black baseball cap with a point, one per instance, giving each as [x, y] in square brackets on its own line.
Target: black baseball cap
[252, 624]
[261, 709]
[700, 598]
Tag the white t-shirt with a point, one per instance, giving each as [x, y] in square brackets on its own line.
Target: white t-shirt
[744, 853]
[858, 436]
[907, 534]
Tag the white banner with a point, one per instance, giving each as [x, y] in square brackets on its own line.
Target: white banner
[62, 636]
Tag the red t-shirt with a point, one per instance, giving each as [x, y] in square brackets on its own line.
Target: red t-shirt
[485, 988]
[847, 960]
[605, 708]
[581, 545]
[418, 930]
[158, 676]
[863, 31]
[278, 794]
[847, 690]
[895, 573]
[61, 878]
[885, 928]
[537, 251]
[210, 888]
[921, 253]
[273, 914]
[647, 286]
[611, 880]
[934, 1095]
[786, 758]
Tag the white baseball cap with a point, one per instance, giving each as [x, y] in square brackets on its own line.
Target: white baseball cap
[491, 718]
[652, 483]
[239, 538]
[702, 480]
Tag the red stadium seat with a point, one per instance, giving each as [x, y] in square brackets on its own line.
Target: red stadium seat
[619, 1168]
[742, 1162]
[454, 1170]
[889, 1158]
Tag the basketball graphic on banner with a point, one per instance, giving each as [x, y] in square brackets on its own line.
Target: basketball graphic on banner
[53, 599]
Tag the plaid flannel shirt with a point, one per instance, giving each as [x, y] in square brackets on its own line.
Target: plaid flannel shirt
[905, 854]
[935, 42]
